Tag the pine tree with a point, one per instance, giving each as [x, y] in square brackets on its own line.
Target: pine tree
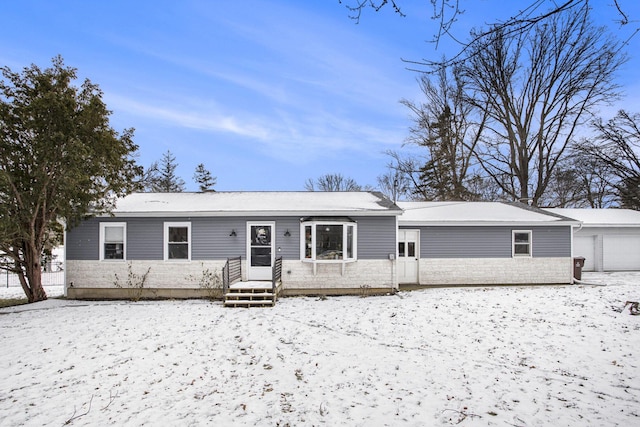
[204, 179]
[163, 178]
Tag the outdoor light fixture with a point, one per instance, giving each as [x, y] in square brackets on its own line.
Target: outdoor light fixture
[286, 233]
[233, 233]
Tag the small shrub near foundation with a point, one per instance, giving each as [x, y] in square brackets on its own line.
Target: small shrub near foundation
[365, 291]
[210, 281]
[134, 284]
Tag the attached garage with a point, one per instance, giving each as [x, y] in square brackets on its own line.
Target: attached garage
[609, 239]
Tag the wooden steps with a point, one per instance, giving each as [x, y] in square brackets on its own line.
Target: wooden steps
[250, 294]
[237, 293]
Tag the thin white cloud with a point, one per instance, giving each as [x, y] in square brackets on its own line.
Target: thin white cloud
[294, 90]
[206, 120]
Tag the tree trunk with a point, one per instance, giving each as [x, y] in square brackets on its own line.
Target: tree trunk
[31, 277]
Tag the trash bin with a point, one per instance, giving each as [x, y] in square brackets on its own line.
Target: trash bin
[578, 263]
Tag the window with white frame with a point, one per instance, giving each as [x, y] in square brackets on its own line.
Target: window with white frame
[177, 240]
[521, 243]
[113, 239]
[329, 241]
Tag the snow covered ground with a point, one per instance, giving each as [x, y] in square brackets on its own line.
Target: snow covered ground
[523, 356]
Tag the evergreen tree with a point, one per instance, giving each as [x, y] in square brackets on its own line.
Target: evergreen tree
[162, 178]
[204, 179]
[59, 160]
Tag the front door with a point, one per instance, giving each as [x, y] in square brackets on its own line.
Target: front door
[408, 254]
[260, 243]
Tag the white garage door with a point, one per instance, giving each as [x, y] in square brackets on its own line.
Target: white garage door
[621, 252]
[585, 246]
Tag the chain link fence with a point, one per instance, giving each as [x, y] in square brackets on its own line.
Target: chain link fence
[52, 275]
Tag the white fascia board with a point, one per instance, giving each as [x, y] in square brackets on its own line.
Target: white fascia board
[609, 225]
[485, 223]
[164, 214]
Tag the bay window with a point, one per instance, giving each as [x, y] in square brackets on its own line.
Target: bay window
[329, 240]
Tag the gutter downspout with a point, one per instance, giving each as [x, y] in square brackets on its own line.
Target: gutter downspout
[587, 283]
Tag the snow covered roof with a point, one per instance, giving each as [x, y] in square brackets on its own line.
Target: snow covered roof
[601, 217]
[265, 203]
[476, 213]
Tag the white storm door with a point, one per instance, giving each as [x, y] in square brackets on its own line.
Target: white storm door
[408, 254]
[260, 253]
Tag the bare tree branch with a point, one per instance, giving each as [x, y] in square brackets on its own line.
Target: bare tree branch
[539, 87]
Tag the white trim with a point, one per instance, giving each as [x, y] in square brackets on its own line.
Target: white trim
[403, 259]
[167, 225]
[344, 260]
[104, 225]
[260, 273]
[420, 223]
[248, 213]
[354, 240]
[513, 244]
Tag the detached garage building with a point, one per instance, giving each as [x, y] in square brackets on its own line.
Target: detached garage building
[609, 239]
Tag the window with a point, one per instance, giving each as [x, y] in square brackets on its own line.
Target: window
[177, 240]
[408, 249]
[113, 237]
[521, 243]
[330, 241]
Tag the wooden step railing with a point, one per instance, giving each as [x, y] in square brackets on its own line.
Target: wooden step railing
[231, 273]
[260, 295]
[276, 278]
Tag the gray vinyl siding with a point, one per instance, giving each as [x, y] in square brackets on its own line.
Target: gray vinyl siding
[551, 242]
[145, 238]
[211, 240]
[376, 237]
[491, 242]
[83, 241]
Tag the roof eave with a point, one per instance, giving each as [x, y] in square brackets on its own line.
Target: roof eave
[418, 223]
[608, 225]
[160, 214]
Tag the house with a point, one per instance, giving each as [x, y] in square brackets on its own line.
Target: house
[608, 239]
[327, 243]
[310, 243]
[479, 243]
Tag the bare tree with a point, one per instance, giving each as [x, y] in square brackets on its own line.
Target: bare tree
[332, 182]
[618, 146]
[444, 126]
[445, 14]
[394, 184]
[538, 88]
[408, 167]
[580, 181]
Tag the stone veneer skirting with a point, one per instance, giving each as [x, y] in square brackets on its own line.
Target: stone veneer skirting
[97, 279]
[495, 271]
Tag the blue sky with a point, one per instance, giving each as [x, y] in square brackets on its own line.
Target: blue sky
[265, 94]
